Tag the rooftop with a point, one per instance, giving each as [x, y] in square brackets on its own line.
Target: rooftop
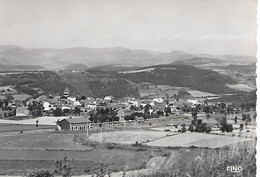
[78, 120]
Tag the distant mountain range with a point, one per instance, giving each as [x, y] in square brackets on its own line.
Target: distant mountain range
[92, 57]
[9, 67]
[78, 67]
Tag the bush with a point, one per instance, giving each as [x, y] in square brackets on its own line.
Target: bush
[183, 129]
[230, 128]
[41, 173]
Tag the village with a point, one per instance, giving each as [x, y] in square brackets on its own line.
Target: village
[73, 126]
[152, 104]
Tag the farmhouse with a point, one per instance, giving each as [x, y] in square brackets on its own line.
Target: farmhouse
[74, 124]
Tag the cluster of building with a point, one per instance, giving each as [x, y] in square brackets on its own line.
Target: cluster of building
[71, 105]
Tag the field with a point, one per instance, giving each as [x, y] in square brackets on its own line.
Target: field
[44, 146]
[5, 127]
[156, 150]
[40, 141]
[21, 96]
[196, 93]
[171, 90]
[150, 92]
[41, 121]
[198, 140]
[128, 137]
[241, 87]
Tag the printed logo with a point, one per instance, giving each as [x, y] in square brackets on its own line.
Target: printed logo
[234, 169]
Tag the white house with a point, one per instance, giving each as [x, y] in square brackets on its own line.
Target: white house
[77, 103]
[108, 98]
[158, 100]
[73, 99]
[91, 106]
[66, 107]
[121, 115]
[46, 106]
[134, 103]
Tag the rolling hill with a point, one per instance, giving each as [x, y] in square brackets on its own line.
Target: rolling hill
[57, 58]
[76, 67]
[30, 82]
[9, 67]
[199, 61]
[181, 76]
[92, 57]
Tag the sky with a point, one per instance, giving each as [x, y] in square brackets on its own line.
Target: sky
[194, 26]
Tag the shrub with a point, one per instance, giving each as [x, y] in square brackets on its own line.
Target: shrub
[41, 173]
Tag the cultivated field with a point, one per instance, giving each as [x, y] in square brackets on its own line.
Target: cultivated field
[38, 148]
[199, 140]
[128, 137]
[40, 141]
[21, 96]
[241, 87]
[47, 120]
[196, 93]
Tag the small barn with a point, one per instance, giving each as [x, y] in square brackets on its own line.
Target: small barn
[74, 124]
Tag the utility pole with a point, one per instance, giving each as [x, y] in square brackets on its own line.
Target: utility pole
[100, 125]
[87, 129]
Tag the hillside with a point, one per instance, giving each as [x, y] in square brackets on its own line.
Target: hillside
[6, 67]
[99, 84]
[198, 61]
[113, 67]
[242, 68]
[30, 82]
[76, 67]
[182, 76]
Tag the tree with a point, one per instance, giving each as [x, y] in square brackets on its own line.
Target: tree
[147, 108]
[194, 115]
[235, 119]
[191, 128]
[248, 118]
[83, 97]
[58, 112]
[223, 105]
[77, 110]
[207, 109]
[241, 127]
[167, 111]
[63, 167]
[183, 129]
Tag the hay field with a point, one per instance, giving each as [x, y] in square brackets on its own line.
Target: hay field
[196, 93]
[128, 137]
[46, 120]
[241, 87]
[198, 140]
[39, 140]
